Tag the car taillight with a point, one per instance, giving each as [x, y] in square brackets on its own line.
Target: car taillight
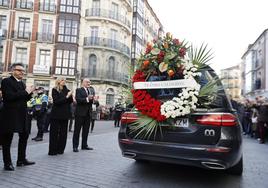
[127, 118]
[217, 120]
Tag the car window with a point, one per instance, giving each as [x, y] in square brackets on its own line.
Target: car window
[207, 75]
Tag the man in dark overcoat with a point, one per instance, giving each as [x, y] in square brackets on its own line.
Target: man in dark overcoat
[15, 97]
[84, 99]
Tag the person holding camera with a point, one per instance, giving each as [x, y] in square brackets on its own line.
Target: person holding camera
[60, 114]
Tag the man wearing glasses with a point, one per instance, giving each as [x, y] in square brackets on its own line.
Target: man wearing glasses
[15, 97]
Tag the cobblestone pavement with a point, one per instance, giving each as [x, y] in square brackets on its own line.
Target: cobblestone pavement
[104, 167]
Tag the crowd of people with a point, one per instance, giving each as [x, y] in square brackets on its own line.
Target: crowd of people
[253, 115]
[19, 104]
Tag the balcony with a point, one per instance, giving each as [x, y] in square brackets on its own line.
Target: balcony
[4, 3]
[106, 75]
[47, 7]
[45, 37]
[107, 43]
[110, 15]
[24, 4]
[21, 35]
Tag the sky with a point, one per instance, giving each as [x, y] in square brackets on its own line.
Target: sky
[227, 26]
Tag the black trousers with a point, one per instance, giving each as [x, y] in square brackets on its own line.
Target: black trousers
[57, 136]
[92, 123]
[40, 120]
[7, 140]
[81, 122]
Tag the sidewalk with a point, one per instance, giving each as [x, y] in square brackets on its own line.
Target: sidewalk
[71, 170]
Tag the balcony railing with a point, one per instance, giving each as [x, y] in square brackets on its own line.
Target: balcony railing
[108, 43]
[45, 37]
[24, 4]
[97, 12]
[105, 75]
[4, 3]
[21, 35]
[46, 7]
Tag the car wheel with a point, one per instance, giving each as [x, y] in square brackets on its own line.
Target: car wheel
[237, 169]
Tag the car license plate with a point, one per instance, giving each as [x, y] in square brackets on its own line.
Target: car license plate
[182, 123]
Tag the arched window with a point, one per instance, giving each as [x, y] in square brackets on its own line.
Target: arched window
[92, 65]
[110, 97]
[111, 68]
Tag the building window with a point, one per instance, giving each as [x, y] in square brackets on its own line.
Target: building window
[47, 5]
[3, 24]
[21, 56]
[66, 61]
[24, 28]
[114, 11]
[68, 31]
[26, 4]
[70, 6]
[4, 3]
[111, 68]
[46, 34]
[113, 38]
[110, 97]
[96, 8]
[42, 83]
[92, 65]
[44, 57]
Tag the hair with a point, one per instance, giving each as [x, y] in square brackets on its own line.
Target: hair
[16, 64]
[58, 87]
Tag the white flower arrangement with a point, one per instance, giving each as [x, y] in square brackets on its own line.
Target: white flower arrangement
[187, 100]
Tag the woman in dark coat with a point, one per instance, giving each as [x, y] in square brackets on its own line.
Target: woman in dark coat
[60, 114]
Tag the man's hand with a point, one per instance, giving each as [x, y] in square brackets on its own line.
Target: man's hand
[30, 89]
[90, 97]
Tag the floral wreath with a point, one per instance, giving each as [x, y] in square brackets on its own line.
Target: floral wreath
[171, 59]
[166, 56]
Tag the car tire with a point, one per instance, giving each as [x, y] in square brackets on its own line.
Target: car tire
[237, 169]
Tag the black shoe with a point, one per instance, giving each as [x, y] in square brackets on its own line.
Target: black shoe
[34, 138]
[75, 150]
[25, 163]
[87, 148]
[60, 152]
[9, 167]
[39, 139]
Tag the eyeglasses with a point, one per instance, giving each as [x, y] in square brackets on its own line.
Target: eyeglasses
[20, 70]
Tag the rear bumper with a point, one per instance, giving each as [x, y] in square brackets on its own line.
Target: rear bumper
[223, 156]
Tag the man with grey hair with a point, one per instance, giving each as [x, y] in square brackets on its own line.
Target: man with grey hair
[15, 97]
[84, 97]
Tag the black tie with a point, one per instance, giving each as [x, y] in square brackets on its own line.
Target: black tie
[88, 92]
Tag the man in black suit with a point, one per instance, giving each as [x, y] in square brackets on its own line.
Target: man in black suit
[15, 97]
[84, 98]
